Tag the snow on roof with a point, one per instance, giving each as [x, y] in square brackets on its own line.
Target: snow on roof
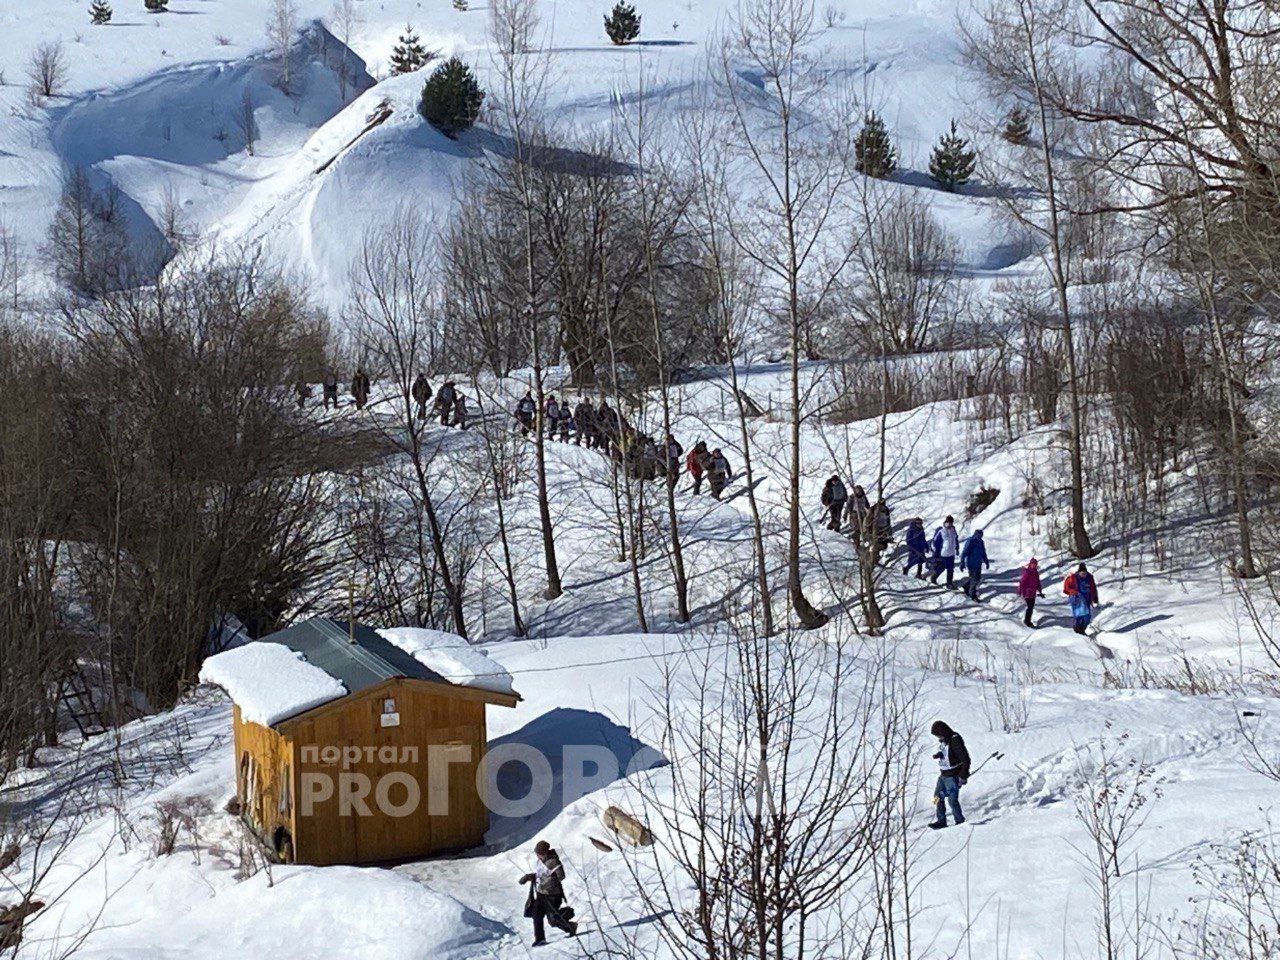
[452, 657]
[269, 682]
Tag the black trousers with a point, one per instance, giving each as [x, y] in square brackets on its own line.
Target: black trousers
[546, 907]
[836, 510]
[1031, 606]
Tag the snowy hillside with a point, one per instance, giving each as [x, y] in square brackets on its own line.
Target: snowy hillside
[1124, 797]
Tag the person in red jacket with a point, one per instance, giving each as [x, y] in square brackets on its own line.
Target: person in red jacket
[1082, 596]
[696, 463]
[1029, 588]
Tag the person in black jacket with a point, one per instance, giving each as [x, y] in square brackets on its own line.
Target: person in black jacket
[953, 773]
[834, 497]
[547, 896]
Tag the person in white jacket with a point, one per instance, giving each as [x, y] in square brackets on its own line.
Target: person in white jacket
[946, 547]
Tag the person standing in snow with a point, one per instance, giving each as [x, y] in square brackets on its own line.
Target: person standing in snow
[1029, 588]
[673, 452]
[953, 773]
[330, 389]
[525, 410]
[834, 498]
[973, 558]
[547, 896]
[860, 512]
[719, 473]
[360, 388]
[946, 545]
[696, 463]
[460, 410]
[303, 390]
[421, 392]
[1082, 595]
[584, 416]
[881, 527]
[445, 401]
[917, 548]
[551, 414]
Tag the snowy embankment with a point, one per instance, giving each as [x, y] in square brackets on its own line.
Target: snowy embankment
[1023, 833]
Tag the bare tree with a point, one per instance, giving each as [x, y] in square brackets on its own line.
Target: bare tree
[282, 28]
[804, 163]
[47, 71]
[246, 122]
[344, 19]
[1016, 47]
[393, 288]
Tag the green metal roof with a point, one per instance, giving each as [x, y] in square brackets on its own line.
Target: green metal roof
[366, 662]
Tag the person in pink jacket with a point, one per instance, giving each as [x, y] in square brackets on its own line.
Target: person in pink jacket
[1029, 588]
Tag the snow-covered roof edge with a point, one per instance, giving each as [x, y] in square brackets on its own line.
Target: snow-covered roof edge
[450, 656]
[269, 682]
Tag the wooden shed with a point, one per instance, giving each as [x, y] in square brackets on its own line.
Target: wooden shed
[336, 782]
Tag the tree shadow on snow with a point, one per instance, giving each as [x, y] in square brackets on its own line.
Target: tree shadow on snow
[584, 751]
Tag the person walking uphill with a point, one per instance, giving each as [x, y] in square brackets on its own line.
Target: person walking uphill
[696, 463]
[834, 497]
[546, 898]
[953, 773]
[421, 392]
[526, 408]
[973, 558]
[946, 544]
[719, 473]
[1082, 595]
[917, 548]
[329, 387]
[1029, 587]
[360, 387]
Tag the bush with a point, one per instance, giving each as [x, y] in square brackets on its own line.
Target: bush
[622, 24]
[451, 98]
[157, 6]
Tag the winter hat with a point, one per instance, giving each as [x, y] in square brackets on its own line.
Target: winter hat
[542, 847]
[1033, 562]
[940, 730]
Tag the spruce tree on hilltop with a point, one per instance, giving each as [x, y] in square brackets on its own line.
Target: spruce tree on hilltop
[952, 163]
[408, 54]
[157, 6]
[100, 12]
[451, 98]
[1017, 128]
[874, 154]
[622, 24]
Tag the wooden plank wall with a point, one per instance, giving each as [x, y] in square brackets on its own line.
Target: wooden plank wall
[426, 719]
[270, 774]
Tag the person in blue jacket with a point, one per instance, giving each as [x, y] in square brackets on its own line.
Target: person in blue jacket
[917, 548]
[973, 558]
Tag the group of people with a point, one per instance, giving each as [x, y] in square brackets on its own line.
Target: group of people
[1080, 587]
[870, 524]
[450, 403]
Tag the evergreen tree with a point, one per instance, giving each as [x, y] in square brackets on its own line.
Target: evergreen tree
[408, 55]
[1017, 128]
[952, 162]
[100, 12]
[622, 24]
[157, 6]
[460, 5]
[874, 152]
[451, 98]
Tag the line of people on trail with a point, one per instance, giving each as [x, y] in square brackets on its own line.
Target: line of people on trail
[450, 404]
[944, 552]
[606, 429]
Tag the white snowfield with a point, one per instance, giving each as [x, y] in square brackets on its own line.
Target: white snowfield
[452, 657]
[270, 682]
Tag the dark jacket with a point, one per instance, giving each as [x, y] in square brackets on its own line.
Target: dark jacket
[917, 542]
[958, 756]
[974, 554]
[834, 492]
